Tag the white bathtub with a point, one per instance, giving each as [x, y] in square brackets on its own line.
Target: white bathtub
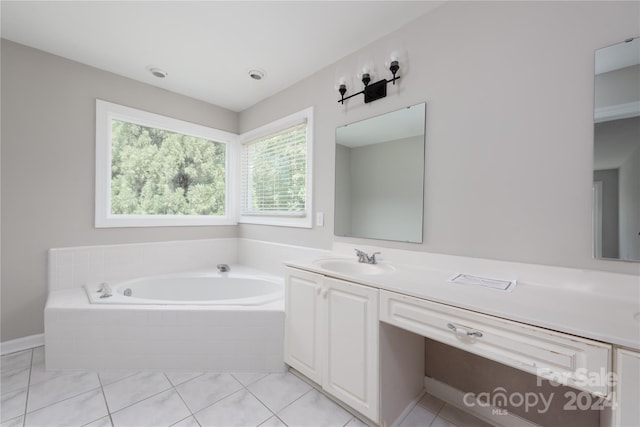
[198, 321]
[241, 287]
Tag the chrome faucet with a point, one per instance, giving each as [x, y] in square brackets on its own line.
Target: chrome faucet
[223, 268]
[365, 258]
[104, 290]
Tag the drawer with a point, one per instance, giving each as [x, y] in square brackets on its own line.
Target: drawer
[570, 360]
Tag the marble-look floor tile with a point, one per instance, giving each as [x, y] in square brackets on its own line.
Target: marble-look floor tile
[207, 389]
[40, 374]
[14, 379]
[161, 410]
[314, 410]
[38, 355]
[240, 409]
[12, 404]
[62, 386]
[431, 403]
[459, 417]
[109, 377]
[13, 422]
[187, 422]
[247, 378]
[76, 411]
[177, 378]
[134, 389]
[19, 359]
[418, 417]
[441, 422]
[273, 422]
[102, 422]
[356, 423]
[278, 390]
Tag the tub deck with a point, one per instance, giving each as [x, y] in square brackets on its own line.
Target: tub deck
[80, 335]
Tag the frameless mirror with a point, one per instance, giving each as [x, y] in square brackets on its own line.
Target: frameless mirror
[380, 176]
[616, 158]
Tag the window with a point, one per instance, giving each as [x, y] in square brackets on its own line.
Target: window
[276, 172]
[152, 170]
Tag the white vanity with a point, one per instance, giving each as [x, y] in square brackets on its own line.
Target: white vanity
[358, 330]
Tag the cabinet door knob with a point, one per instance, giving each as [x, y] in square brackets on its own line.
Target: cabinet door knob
[462, 331]
[324, 293]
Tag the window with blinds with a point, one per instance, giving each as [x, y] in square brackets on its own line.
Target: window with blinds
[275, 173]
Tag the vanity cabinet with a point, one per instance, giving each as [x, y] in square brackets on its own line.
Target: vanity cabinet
[553, 355]
[331, 337]
[627, 413]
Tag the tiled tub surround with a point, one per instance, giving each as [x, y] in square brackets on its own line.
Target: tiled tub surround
[79, 335]
[73, 267]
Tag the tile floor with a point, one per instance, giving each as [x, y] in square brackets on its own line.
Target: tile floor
[32, 396]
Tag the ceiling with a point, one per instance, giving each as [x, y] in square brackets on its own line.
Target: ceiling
[207, 47]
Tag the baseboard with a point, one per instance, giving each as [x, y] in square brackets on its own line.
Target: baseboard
[493, 415]
[20, 344]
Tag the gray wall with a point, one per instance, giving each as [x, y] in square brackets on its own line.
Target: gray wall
[385, 195]
[617, 87]
[48, 172]
[630, 205]
[343, 191]
[610, 212]
[509, 89]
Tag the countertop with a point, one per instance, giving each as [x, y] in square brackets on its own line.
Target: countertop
[609, 314]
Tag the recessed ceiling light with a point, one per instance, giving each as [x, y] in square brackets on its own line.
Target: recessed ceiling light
[256, 74]
[158, 72]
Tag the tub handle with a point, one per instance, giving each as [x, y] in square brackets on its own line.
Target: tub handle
[105, 291]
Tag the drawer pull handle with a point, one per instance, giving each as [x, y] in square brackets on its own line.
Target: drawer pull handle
[463, 331]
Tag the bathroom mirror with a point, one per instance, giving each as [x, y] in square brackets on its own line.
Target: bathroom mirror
[380, 176]
[616, 154]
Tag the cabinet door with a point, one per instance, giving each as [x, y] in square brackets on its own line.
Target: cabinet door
[302, 322]
[351, 340]
[627, 388]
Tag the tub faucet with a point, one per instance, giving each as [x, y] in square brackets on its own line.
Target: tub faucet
[365, 258]
[223, 268]
[104, 290]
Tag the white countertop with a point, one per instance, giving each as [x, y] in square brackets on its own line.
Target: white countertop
[590, 304]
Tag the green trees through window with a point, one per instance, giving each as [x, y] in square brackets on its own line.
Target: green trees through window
[159, 172]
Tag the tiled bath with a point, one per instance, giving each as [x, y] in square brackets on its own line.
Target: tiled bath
[32, 396]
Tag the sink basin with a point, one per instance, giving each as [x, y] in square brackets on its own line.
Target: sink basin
[349, 266]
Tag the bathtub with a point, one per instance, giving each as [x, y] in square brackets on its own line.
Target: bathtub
[195, 288]
[195, 321]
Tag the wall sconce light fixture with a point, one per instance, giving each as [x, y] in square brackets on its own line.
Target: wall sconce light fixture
[372, 91]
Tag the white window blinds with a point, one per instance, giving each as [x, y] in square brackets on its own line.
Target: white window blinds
[274, 173]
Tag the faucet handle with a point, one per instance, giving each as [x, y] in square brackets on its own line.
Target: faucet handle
[361, 255]
[372, 259]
